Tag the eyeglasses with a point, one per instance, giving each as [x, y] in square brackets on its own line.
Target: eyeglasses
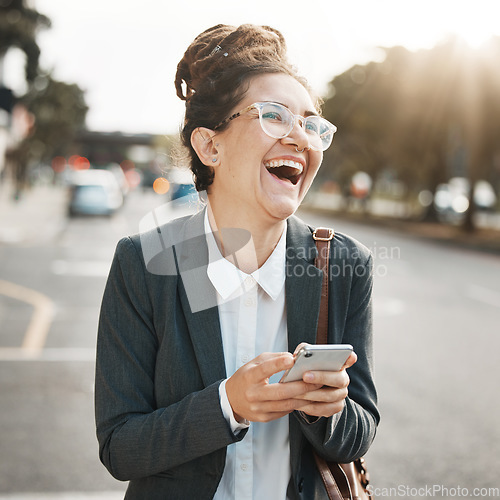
[277, 121]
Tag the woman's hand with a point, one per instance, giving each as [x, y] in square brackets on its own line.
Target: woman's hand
[253, 398]
[330, 397]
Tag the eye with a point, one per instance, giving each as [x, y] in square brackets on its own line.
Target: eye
[272, 115]
[312, 125]
[275, 113]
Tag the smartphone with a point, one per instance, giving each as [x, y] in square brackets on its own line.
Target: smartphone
[317, 357]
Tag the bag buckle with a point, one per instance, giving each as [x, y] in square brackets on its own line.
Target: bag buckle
[323, 234]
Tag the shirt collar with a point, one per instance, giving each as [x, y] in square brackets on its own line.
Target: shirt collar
[230, 282]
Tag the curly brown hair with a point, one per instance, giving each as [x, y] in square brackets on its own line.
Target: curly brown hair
[214, 75]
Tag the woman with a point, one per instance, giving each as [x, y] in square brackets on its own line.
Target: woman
[199, 317]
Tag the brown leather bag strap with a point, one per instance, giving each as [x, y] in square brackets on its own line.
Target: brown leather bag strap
[335, 479]
[342, 481]
[322, 236]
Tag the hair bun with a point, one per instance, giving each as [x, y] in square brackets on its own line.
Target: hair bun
[219, 47]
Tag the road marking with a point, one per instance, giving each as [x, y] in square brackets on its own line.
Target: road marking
[65, 495]
[80, 268]
[54, 354]
[483, 294]
[38, 328]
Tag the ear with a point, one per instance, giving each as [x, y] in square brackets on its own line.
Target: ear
[203, 143]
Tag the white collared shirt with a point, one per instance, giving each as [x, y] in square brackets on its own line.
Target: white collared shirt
[253, 320]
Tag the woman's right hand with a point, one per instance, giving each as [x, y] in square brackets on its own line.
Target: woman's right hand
[253, 398]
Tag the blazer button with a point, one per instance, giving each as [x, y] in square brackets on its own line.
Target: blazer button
[301, 484]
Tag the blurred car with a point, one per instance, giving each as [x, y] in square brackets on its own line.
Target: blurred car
[182, 188]
[452, 199]
[94, 192]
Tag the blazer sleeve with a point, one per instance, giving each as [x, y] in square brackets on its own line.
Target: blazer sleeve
[136, 438]
[348, 435]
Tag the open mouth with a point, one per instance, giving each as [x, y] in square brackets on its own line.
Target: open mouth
[285, 170]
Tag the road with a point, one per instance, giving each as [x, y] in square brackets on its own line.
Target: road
[437, 338]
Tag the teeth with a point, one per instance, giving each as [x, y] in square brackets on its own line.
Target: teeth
[286, 163]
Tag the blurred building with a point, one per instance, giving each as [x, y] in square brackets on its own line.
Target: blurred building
[115, 147]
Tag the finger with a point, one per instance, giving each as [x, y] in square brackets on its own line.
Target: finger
[299, 347]
[276, 392]
[353, 357]
[268, 364]
[283, 406]
[325, 395]
[331, 379]
[323, 409]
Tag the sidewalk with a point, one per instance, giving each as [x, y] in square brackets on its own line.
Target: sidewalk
[39, 213]
[482, 239]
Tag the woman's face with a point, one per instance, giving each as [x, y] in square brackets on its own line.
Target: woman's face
[245, 183]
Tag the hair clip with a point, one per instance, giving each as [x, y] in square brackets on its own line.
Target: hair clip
[217, 48]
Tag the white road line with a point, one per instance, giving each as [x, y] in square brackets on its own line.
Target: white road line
[54, 354]
[81, 268]
[483, 294]
[38, 328]
[65, 495]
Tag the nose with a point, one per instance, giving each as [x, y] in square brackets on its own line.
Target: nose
[297, 136]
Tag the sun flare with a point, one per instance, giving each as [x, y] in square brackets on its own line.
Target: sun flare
[474, 23]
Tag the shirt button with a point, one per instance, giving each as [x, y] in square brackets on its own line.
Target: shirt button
[244, 467]
[249, 283]
[245, 358]
[249, 302]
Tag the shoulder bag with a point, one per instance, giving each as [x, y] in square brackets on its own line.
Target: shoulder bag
[342, 481]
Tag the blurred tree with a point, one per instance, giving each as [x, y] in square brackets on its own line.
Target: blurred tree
[418, 114]
[19, 26]
[481, 117]
[362, 108]
[59, 111]
[58, 108]
[429, 111]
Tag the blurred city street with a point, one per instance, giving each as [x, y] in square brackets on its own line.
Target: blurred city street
[437, 312]
[399, 104]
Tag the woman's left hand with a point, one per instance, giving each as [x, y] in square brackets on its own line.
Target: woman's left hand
[329, 399]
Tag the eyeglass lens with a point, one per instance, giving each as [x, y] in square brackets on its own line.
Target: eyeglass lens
[277, 121]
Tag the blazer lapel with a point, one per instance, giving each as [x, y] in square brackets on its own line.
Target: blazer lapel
[302, 285]
[199, 299]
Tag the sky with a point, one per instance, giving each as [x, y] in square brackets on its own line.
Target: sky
[124, 54]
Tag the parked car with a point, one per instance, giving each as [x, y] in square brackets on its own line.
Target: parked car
[94, 192]
[182, 188]
[452, 199]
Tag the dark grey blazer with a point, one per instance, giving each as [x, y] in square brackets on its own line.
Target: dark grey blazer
[160, 362]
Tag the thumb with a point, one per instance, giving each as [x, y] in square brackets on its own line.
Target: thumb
[353, 357]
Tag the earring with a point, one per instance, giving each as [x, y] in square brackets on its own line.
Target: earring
[214, 160]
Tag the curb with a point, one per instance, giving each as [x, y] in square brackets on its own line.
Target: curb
[483, 240]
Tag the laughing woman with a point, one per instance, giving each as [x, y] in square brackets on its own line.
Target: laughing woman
[200, 316]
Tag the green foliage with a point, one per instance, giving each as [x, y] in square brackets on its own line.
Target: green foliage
[416, 114]
[58, 108]
[59, 111]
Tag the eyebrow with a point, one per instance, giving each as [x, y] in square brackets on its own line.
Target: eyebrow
[306, 113]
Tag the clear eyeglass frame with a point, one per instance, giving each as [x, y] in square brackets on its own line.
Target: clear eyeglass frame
[318, 128]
